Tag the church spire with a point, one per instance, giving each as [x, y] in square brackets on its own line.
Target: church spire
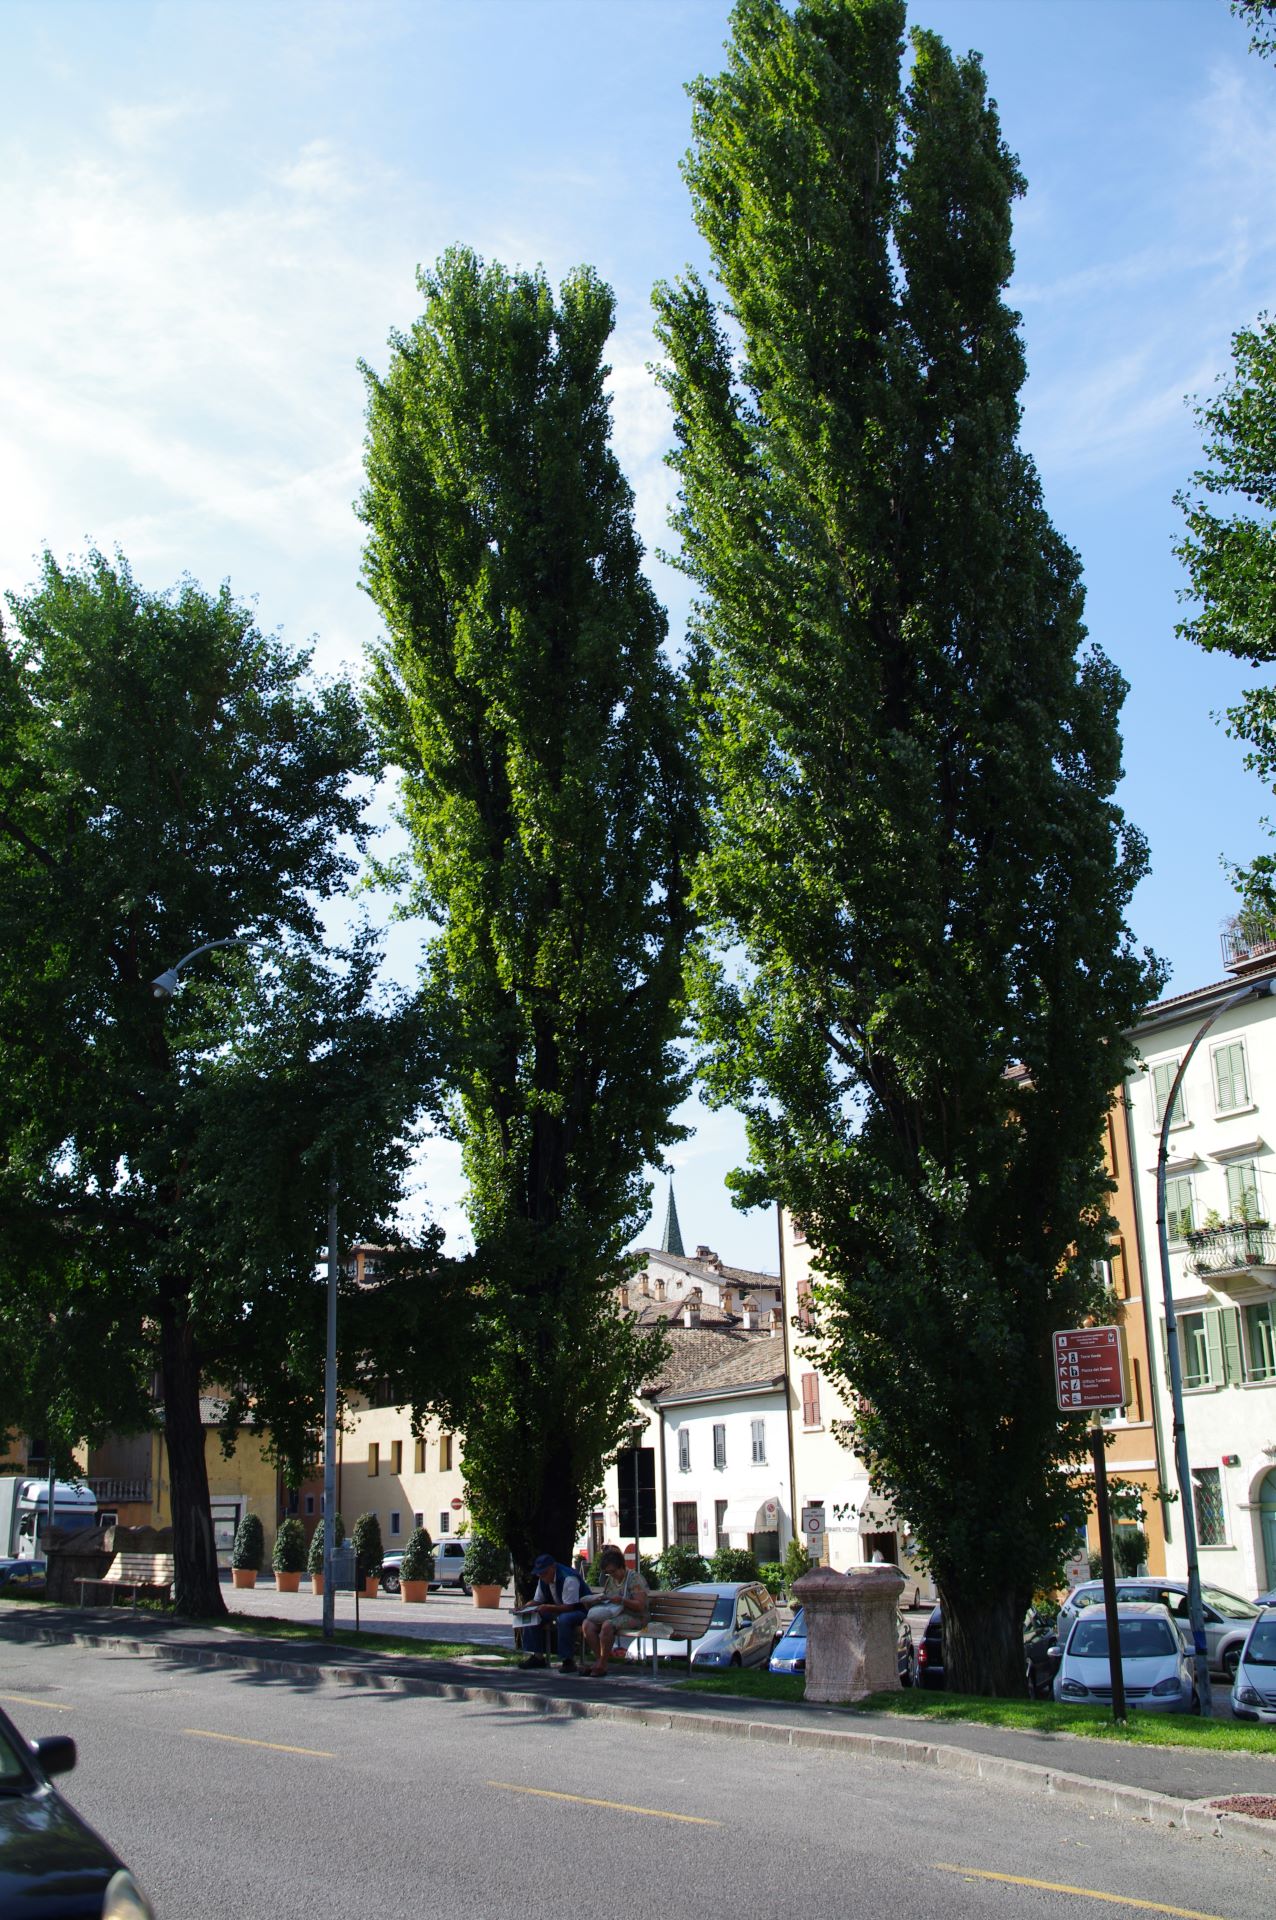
[671, 1240]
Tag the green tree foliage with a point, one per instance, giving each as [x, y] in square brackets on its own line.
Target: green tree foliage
[169, 775]
[681, 1566]
[1229, 552]
[1260, 17]
[289, 1555]
[546, 787]
[920, 972]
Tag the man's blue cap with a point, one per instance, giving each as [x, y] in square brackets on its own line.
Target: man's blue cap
[543, 1562]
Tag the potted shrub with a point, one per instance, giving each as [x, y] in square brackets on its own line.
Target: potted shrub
[681, 1566]
[248, 1551]
[417, 1568]
[366, 1541]
[487, 1568]
[289, 1557]
[314, 1559]
[733, 1563]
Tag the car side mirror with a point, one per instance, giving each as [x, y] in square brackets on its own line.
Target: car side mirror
[1054, 1651]
[56, 1753]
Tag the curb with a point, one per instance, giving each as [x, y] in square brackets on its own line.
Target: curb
[1024, 1776]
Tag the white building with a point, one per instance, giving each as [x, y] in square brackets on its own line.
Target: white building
[1220, 1201]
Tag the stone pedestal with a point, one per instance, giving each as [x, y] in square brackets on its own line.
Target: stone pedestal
[850, 1631]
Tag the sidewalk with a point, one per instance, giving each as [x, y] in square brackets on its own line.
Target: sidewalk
[1163, 1784]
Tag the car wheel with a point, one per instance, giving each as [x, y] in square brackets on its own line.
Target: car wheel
[464, 1586]
[390, 1582]
[736, 1661]
[1231, 1661]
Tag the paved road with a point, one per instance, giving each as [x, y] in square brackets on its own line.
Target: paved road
[238, 1795]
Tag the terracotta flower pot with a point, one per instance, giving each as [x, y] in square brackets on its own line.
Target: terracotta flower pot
[287, 1582]
[316, 1583]
[370, 1587]
[243, 1576]
[487, 1596]
[414, 1591]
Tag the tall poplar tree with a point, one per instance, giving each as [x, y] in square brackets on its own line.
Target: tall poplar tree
[917, 876]
[170, 775]
[547, 790]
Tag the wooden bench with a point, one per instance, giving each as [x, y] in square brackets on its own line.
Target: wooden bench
[140, 1572]
[674, 1616]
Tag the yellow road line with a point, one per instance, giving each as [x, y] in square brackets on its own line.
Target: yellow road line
[202, 1733]
[615, 1806]
[1082, 1893]
[25, 1700]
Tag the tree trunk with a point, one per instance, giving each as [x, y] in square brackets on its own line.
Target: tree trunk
[196, 1587]
[983, 1644]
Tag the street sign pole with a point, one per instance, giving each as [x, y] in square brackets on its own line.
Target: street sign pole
[1115, 1665]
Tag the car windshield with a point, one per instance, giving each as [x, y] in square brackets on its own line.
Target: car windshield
[1261, 1647]
[796, 1629]
[1230, 1605]
[723, 1611]
[1140, 1639]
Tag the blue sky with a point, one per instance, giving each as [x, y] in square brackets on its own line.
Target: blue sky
[209, 213]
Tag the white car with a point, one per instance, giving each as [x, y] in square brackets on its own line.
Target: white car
[1254, 1688]
[742, 1632]
[1157, 1666]
[1227, 1616]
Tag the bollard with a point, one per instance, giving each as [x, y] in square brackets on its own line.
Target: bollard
[850, 1631]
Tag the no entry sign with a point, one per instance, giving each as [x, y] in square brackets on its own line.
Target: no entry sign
[1089, 1368]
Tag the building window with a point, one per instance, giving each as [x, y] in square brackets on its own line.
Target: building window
[758, 1430]
[719, 1446]
[294, 1504]
[310, 1504]
[396, 1456]
[1260, 1342]
[445, 1453]
[1162, 1081]
[1179, 1215]
[1242, 1191]
[1195, 1350]
[720, 1524]
[799, 1234]
[686, 1523]
[418, 1519]
[684, 1450]
[418, 1457]
[396, 1521]
[810, 1399]
[1231, 1082]
[1207, 1498]
[374, 1459]
[445, 1523]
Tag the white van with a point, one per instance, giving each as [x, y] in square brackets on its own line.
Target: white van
[449, 1563]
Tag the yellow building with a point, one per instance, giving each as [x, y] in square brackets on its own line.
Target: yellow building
[129, 1476]
[382, 1469]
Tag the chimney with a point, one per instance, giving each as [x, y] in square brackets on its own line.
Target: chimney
[777, 1320]
[624, 1298]
[751, 1317]
[644, 1287]
[660, 1289]
[704, 1253]
[691, 1309]
[728, 1300]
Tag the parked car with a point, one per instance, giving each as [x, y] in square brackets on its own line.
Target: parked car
[1157, 1663]
[51, 1861]
[742, 1632]
[1227, 1616]
[391, 1578]
[449, 1563]
[1266, 1599]
[790, 1651]
[1040, 1653]
[1254, 1688]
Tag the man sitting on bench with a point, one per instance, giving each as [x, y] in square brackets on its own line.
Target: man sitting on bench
[560, 1596]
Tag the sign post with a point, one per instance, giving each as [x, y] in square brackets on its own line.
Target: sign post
[1089, 1366]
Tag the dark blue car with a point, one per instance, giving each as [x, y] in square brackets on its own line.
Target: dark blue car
[790, 1652]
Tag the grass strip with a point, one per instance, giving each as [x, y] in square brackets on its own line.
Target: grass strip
[271, 1628]
[1028, 1716]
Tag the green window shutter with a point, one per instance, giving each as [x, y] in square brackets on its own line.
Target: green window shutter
[1230, 1326]
[1162, 1081]
[1230, 1084]
[1179, 1215]
[1214, 1343]
[1165, 1352]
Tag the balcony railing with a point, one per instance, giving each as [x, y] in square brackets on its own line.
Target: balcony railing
[1253, 949]
[1232, 1248]
[110, 1492]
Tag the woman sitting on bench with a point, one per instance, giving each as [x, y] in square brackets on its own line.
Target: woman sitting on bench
[622, 1608]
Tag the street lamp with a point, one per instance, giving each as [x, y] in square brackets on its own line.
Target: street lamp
[164, 986]
[1257, 989]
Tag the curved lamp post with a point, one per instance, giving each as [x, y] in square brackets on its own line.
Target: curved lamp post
[164, 986]
[1256, 989]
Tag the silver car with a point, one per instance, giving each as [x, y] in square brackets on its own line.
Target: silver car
[1227, 1616]
[1254, 1688]
[742, 1632]
[1157, 1665]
